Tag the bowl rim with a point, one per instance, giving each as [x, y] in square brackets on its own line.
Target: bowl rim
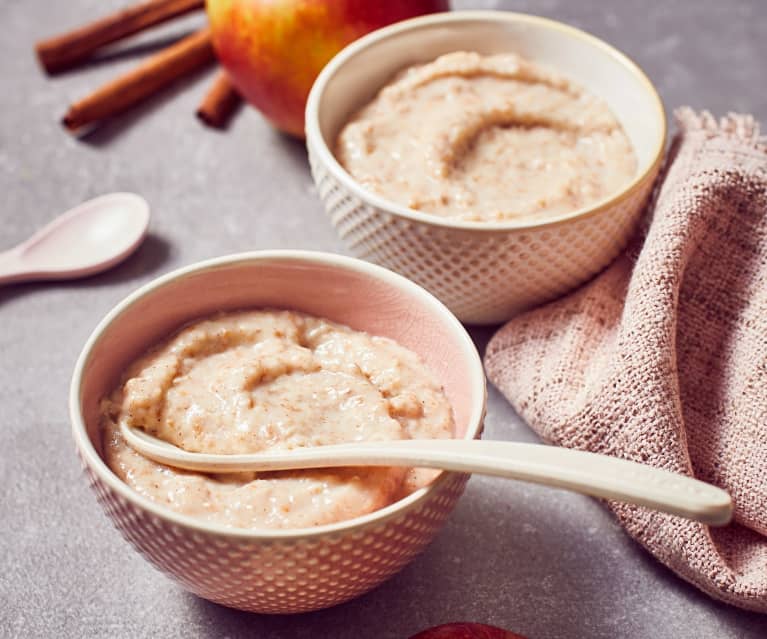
[90, 457]
[316, 142]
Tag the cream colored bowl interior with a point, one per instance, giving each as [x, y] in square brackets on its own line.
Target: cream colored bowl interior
[354, 77]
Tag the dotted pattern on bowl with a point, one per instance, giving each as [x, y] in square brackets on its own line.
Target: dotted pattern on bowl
[281, 575]
[484, 277]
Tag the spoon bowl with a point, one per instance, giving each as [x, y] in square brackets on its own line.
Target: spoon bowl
[87, 239]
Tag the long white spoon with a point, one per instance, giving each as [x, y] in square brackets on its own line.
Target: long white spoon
[583, 472]
[87, 239]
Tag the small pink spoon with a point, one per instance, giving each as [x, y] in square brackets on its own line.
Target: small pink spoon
[87, 239]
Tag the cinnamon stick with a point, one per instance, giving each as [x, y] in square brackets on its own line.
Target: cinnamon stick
[64, 51]
[219, 103]
[152, 75]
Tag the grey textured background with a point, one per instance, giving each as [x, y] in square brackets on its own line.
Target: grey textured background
[541, 562]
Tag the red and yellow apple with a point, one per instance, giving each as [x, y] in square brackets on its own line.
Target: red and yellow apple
[274, 49]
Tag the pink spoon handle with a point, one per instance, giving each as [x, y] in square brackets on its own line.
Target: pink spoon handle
[11, 267]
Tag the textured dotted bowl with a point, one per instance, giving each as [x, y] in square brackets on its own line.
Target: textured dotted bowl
[484, 272]
[280, 571]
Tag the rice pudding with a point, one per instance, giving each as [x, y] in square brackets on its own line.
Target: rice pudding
[487, 139]
[273, 380]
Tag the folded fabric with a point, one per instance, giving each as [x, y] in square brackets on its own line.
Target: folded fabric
[662, 358]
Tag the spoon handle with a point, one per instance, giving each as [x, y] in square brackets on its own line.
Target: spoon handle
[580, 471]
[11, 267]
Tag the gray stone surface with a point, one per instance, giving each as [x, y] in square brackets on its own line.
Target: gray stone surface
[541, 562]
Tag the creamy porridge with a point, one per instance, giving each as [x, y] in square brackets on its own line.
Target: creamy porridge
[487, 138]
[270, 380]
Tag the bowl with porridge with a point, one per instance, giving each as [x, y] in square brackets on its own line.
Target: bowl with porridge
[497, 159]
[271, 351]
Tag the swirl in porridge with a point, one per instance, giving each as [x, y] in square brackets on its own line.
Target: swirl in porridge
[274, 380]
[487, 138]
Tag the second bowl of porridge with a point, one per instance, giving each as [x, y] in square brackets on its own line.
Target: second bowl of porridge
[497, 159]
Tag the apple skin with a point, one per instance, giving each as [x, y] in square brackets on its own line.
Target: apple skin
[274, 49]
[466, 631]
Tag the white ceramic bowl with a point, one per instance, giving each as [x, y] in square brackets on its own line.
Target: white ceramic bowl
[278, 571]
[484, 272]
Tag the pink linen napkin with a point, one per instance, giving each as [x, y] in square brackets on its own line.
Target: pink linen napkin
[662, 358]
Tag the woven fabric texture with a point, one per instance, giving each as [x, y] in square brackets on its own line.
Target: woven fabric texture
[662, 358]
